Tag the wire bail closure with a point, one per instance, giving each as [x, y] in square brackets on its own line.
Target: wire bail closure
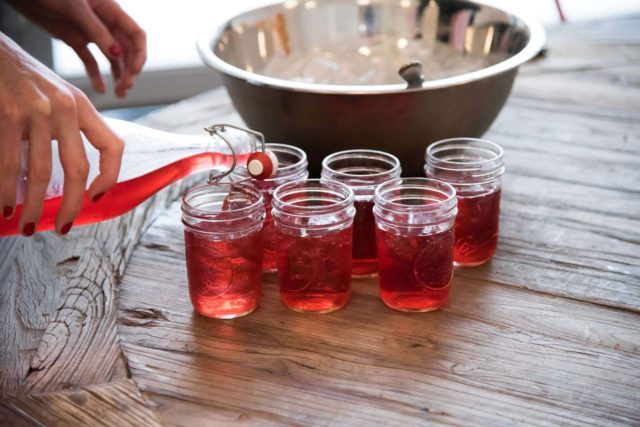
[218, 130]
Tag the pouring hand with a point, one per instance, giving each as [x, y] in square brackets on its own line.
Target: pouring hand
[103, 22]
[37, 105]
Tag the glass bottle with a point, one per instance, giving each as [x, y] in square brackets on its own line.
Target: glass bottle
[292, 166]
[362, 171]
[223, 247]
[151, 160]
[414, 226]
[314, 226]
[475, 168]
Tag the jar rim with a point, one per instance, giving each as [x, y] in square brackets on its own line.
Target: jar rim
[292, 208]
[196, 212]
[435, 184]
[393, 161]
[434, 148]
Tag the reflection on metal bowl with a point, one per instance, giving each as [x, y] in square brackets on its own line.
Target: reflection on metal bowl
[324, 75]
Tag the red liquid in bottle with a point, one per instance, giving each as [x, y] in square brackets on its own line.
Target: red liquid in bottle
[415, 272]
[125, 195]
[225, 277]
[365, 258]
[476, 228]
[315, 272]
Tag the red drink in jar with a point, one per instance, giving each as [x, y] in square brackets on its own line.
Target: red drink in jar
[476, 228]
[362, 171]
[475, 168]
[365, 257]
[315, 271]
[314, 223]
[414, 220]
[224, 276]
[223, 248]
[292, 166]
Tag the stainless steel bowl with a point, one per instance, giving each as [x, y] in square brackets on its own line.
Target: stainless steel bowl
[324, 75]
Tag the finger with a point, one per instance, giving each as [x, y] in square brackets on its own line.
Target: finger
[10, 145]
[118, 20]
[39, 169]
[73, 159]
[106, 142]
[126, 81]
[117, 67]
[91, 65]
[96, 31]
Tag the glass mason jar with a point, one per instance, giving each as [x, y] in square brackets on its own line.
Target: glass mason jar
[414, 225]
[314, 225]
[475, 168]
[292, 166]
[223, 245]
[362, 171]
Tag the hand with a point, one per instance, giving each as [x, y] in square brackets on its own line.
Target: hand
[37, 105]
[103, 22]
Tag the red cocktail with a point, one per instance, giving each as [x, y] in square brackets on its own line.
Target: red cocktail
[365, 257]
[225, 277]
[315, 272]
[223, 247]
[415, 272]
[314, 226]
[292, 166]
[476, 228]
[475, 168]
[362, 171]
[414, 223]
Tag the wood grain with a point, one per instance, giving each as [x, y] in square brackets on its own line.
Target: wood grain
[514, 355]
[115, 404]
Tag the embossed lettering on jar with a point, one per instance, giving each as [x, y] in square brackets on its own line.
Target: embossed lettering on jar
[475, 168]
[362, 171]
[314, 226]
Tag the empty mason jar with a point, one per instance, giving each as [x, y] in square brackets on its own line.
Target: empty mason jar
[292, 166]
[475, 168]
[414, 224]
[362, 171]
[223, 245]
[314, 225]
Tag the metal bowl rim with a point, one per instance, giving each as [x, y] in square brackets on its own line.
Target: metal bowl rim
[206, 40]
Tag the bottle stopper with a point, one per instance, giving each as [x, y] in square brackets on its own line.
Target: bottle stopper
[262, 164]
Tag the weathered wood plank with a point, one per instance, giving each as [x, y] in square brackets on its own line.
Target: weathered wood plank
[516, 356]
[116, 404]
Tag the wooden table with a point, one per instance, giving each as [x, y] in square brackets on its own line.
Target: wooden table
[97, 328]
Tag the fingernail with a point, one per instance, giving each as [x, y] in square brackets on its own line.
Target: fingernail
[65, 228]
[29, 229]
[115, 50]
[7, 211]
[97, 197]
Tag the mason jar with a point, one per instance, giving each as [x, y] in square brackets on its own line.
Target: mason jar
[414, 225]
[292, 166]
[475, 168]
[223, 248]
[314, 225]
[362, 171]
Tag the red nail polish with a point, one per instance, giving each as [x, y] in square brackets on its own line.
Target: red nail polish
[97, 197]
[29, 229]
[65, 228]
[115, 50]
[7, 211]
